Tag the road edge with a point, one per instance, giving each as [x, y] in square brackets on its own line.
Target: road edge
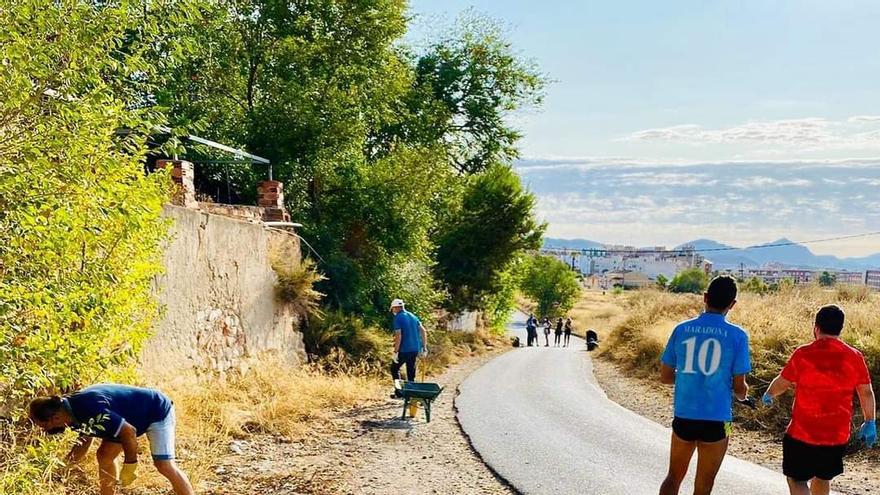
[501, 479]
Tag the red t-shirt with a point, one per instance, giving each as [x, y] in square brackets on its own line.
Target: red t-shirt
[826, 374]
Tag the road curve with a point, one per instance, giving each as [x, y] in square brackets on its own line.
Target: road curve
[540, 420]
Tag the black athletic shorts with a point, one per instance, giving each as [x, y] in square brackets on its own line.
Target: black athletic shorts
[699, 430]
[803, 462]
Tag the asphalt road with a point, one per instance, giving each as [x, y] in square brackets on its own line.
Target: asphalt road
[540, 420]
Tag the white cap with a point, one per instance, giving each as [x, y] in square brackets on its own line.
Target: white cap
[397, 303]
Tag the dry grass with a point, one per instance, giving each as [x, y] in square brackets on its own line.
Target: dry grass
[598, 311]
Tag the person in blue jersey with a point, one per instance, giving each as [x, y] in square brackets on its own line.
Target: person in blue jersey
[410, 340]
[532, 330]
[118, 415]
[707, 359]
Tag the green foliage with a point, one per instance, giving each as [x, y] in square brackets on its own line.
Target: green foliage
[662, 282]
[827, 279]
[692, 280]
[756, 285]
[551, 284]
[369, 139]
[80, 226]
[494, 224]
[466, 84]
[501, 304]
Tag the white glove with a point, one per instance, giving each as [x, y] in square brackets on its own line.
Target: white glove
[394, 357]
[424, 352]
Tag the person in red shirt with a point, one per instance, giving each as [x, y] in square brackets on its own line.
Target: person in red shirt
[825, 374]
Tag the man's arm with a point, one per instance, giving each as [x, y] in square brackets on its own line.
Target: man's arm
[128, 438]
[79, 450]
[396, 341]
[778, 386]
[667, 374]
[868, 401]
[740, 387]
[424, 336]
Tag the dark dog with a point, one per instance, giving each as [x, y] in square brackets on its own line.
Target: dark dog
[515, 342]
[592, 340]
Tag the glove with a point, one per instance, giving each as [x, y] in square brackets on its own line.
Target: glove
[395, 357]
[128, 474]
[749, 402]
[424, 352]
[868, 433]
[767, 399]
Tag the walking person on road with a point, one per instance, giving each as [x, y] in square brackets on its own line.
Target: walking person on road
[567, 332]
[707, 360]
[532, 330]
[118, 415]
[825, 375]
[558, 335]
[547, 326]
[410, 340]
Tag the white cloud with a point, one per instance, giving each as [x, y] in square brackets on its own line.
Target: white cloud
[858, 119]
[807, 134]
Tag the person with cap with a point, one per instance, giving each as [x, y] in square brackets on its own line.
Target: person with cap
[410, 340]
[117, 414]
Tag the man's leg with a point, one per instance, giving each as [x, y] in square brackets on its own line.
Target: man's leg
[395, 368]
[797, 487]
[162, 436]
[411, 366]
[819, 486]
[680, 453]
[710, 455]
[107, 474]
[178, 479]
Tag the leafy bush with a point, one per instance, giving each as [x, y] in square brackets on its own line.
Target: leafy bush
[693, 280]
[551, 284]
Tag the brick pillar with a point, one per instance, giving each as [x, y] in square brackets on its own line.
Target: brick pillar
[182, 175]
[270, 197]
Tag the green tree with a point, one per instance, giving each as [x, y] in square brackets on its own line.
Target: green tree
[494, 224]
[827, 279]
[466, 84]
[80, 227]
[551, 284]
[756, 285]
[662, 282]
[693, 280]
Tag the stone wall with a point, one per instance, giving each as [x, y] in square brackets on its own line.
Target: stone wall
[217, 293]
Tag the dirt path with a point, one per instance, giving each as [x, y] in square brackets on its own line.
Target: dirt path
[369, 451]
[654, 401]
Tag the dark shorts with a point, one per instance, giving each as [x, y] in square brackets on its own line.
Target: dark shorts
[699, 430]
[803, 462]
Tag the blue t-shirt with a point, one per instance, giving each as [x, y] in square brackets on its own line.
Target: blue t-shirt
[706, 352]
[410, 335]
[100, 410]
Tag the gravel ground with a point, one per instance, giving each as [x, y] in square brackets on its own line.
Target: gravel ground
[654, 401]
[369, 451]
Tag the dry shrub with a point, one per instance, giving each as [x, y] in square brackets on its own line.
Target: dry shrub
[650, 316]
[273, 398]
[296, 284]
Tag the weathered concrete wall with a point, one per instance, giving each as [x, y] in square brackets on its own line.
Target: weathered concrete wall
[217, 292]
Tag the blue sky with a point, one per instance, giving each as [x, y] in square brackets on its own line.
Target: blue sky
[746, 92]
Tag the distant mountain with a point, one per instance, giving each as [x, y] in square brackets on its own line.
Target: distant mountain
[551, 243]
[792, 255]
[788, 253]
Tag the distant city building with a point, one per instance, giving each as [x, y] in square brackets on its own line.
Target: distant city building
[872, 279]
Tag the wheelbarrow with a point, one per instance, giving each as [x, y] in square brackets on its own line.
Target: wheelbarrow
[417, 391]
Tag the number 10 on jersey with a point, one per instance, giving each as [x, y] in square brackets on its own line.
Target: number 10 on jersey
[708, 356]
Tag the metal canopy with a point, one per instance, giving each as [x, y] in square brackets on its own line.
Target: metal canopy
[222, 147]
